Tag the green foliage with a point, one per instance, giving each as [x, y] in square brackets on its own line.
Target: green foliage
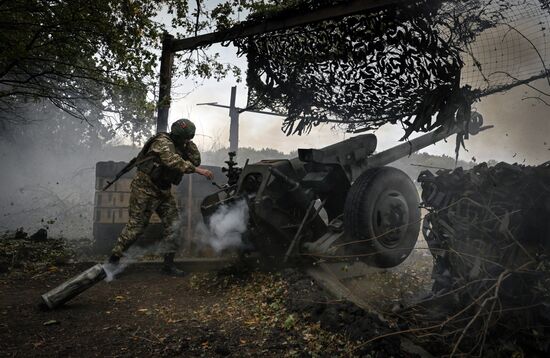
[290, 322]
[73, 50]
[79, 54]
[224, 13]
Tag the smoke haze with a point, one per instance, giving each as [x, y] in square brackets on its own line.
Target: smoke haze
[48, 176]
[132, 255]
[225, 227]
[48, 165]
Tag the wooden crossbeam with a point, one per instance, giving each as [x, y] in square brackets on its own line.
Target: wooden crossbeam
[351, 7]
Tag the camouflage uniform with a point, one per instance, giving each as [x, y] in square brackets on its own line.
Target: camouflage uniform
[146, 196]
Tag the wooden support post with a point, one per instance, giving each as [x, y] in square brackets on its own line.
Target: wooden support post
[165, 83]
[189, 233]
[234, 125]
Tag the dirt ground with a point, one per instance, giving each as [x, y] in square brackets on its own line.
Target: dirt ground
[144, 313]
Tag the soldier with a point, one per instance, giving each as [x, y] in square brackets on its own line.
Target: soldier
[163, 161]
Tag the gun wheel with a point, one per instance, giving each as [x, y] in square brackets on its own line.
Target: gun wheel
[382, 217]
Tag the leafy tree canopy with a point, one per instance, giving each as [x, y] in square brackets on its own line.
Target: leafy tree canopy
[101, 53]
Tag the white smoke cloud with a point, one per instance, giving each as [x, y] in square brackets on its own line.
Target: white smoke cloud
[112, 270]
[225, 227]
[132, 255]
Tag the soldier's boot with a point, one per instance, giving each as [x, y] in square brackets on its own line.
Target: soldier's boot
[169, 267]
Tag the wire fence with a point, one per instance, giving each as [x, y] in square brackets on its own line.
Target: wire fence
[514, 47]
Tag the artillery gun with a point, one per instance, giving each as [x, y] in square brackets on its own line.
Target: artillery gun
[339, 201]
[371, 211]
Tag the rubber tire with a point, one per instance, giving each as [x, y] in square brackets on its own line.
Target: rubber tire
[359, 216]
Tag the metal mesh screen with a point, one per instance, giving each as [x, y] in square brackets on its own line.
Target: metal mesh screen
[513, 49]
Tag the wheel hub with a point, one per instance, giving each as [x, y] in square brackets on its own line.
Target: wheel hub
[391, 215]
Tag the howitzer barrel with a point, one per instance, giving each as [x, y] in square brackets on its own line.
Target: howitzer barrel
[405, 149]
[350, 151]
[355, 154]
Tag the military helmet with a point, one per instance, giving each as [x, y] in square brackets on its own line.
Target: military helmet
[182, 129]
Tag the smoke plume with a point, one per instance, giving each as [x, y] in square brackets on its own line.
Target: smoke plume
[225, 227]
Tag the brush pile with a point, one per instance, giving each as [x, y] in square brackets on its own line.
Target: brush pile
[23, 252]
[488, 229]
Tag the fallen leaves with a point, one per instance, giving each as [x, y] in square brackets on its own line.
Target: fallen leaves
[120, 298]
[290, 322]
[145, 311]
[257, 304]
[50, 322]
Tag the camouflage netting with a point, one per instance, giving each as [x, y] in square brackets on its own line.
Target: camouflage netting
[489, 233]
[421, 65]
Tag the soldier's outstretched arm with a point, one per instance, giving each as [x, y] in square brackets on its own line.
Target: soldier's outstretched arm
[169, 157]
[193, 154]
[204, 172]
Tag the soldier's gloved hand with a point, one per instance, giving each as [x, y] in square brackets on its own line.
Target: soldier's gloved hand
[204, 172]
